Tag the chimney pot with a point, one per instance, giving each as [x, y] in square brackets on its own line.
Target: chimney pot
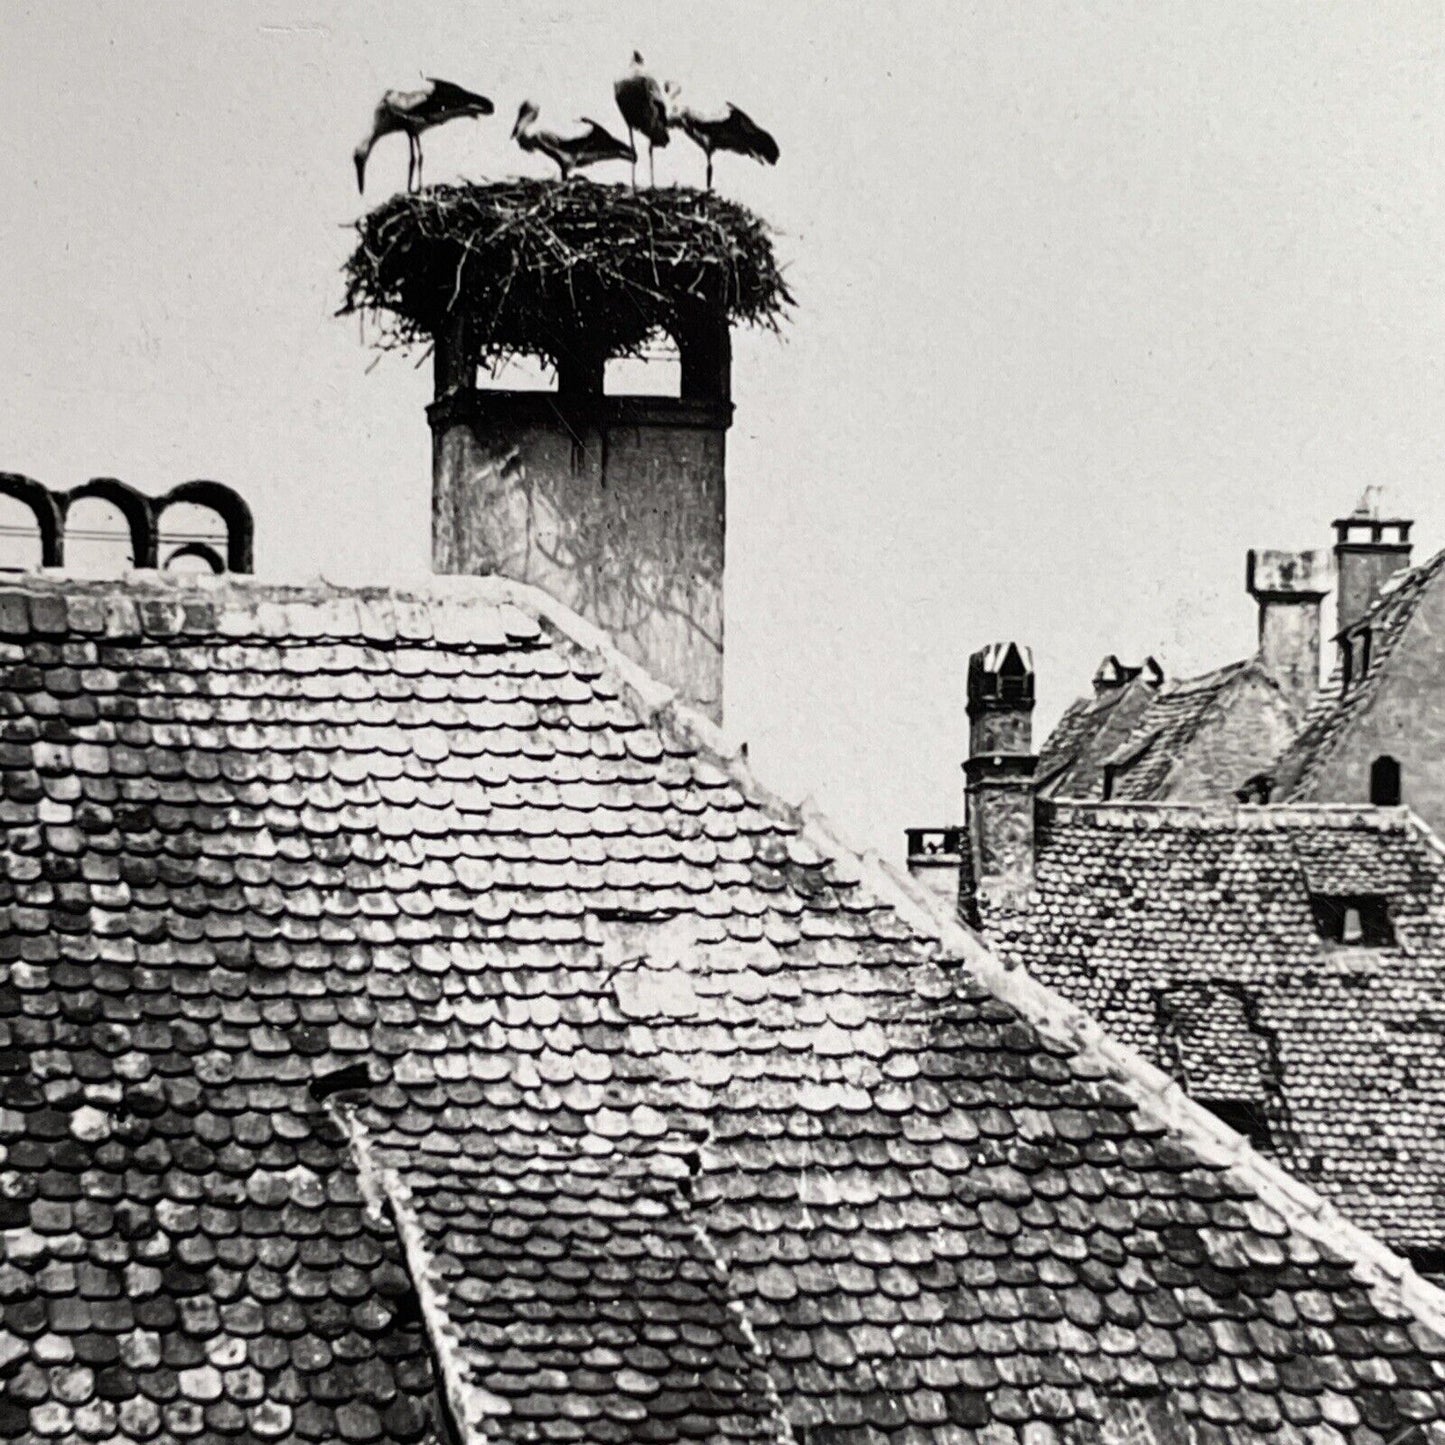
[1369, 551]
[1111, 674]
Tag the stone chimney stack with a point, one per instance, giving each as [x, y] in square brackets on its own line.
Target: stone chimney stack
[613, 504]
[999, 777]
[1290, 588]
[1369, 550]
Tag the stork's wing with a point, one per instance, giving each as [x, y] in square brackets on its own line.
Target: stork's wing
[447, 97]
[405, 104]
[599, 142]
[657, 129]
[748, 138]
[569, 134]
[639, 98]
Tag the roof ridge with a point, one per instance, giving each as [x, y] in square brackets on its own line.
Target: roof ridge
[1392, 1281]
[1185, 686]
[1243, 816]
[386, 1192]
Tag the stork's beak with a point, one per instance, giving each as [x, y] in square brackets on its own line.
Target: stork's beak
[360, 174]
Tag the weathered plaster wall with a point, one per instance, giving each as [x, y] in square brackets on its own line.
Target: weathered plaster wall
[1246, 730]
[1404, 718]
[614, 505]
[1289, 647]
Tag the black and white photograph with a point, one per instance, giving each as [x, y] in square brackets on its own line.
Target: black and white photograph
[722, 724]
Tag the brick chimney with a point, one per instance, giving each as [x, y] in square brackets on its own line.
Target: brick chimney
[999, 778]
[613, 504]
[1290, 588]
[1369, 550]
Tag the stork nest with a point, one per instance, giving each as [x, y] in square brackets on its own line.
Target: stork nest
[549, 268]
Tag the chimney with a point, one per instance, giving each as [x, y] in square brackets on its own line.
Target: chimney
[1111, 675]
[999, 778]
[1369, 550]
[1290, 588]
[614, 504]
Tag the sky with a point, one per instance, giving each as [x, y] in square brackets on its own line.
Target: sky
[1091, 299]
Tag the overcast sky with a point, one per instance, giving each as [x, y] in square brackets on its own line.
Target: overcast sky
[1091, 299]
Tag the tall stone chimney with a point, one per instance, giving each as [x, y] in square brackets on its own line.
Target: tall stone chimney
[1369, 550]
[616, 505]
[999, 778]
[1290, 588]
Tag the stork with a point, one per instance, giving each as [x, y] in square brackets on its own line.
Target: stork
[722, 128]
[579, 143]
[412, 112]
[639, 98]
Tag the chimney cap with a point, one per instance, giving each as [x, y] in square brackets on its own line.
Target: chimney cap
[1112, 674]
[1001, 675]
[1288, 576]
[1362, 533]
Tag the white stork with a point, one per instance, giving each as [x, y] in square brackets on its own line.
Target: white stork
[580, 143]
[412, 112]
[721, 128]
[639, 98]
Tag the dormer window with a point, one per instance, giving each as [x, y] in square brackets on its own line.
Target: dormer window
[1244, 1116]
[1347, 665]
[1353, 920]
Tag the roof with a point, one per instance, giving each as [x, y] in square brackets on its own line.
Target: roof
[1297, 770]
[1071, 762]
[661, 1082]
[1189, 932]
[1142, 763]
[1135, 734]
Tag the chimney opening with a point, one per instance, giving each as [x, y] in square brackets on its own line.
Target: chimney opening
[655, 371]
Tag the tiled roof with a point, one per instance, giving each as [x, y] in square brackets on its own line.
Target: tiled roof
[1137, 730]
[661, 1084]
[1189, 933]
[1071, 762]
[1165, 728]
[1295, 774]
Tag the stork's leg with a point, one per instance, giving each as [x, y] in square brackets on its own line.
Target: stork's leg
[410, 162]
[632, 146]
[709, 170]
[651, 167]
[418, 163]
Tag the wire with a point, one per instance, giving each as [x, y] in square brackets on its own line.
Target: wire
[101, 536]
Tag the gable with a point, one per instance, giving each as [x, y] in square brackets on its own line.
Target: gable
[1390, 706]
[1396, 716]
[1201, 738]
[1245, 729]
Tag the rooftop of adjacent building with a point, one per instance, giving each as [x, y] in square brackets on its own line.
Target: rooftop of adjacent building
[1306, 941]
[1127, 739]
